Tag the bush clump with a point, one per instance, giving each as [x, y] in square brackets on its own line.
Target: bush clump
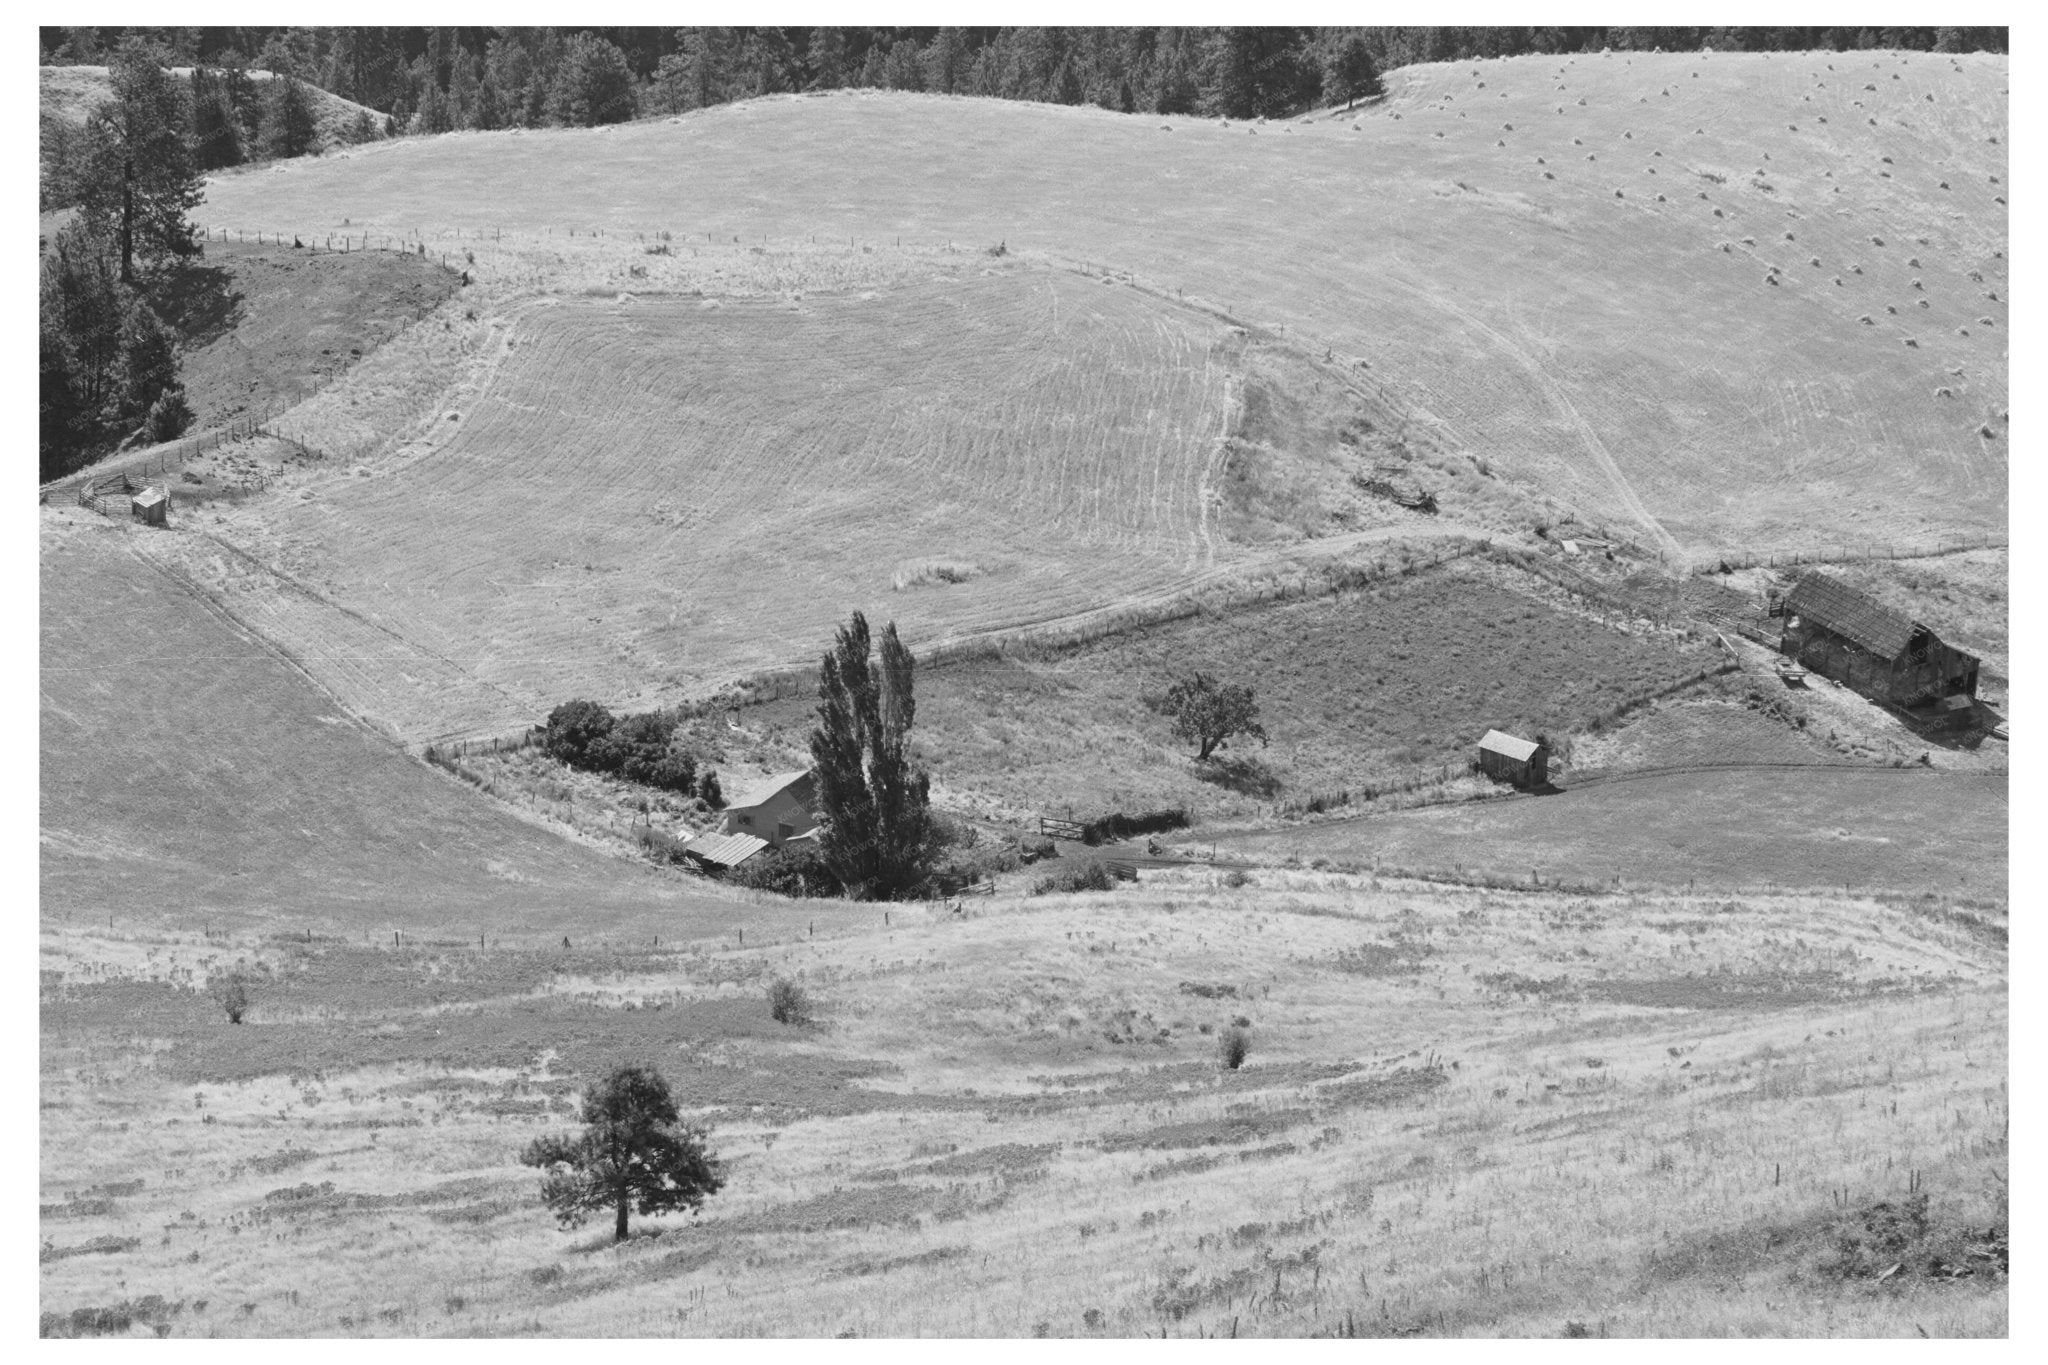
[1090, 876]
[793, 870]
[788, 1003]
[1233, 1047]
[639, 748]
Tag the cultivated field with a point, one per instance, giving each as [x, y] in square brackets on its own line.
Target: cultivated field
[191, 778]
[654, 495]
[1371, 687]
[1898, 829]
[1734, 299]
[1464, 1114]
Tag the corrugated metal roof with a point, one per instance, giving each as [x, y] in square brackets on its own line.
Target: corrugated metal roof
[1835, 606]
[1500, 742]
[727, 850]
[763, 789]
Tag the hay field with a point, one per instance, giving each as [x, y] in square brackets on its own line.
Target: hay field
[192, 778]
[648, 496]
[1751, 299]
[1464, 1114]
[1896, 829]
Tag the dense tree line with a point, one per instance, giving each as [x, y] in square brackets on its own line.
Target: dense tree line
[436, 79]
[108, 367]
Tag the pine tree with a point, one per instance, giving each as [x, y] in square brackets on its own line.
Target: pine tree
[593, 85]
[139, 180]
[289, 126]
[879, 836]
[635, 1152]
[1351, 74]
[216, 128]
[149, 362]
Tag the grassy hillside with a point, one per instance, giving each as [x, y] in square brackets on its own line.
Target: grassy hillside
[1464, 1114]
[1807, 826]
[71, 92]
[1731, 299]
[190, 776]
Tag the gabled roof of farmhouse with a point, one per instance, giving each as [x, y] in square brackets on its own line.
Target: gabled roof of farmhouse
[727, 850]
[1835, 606]
[764, 789]
[1500, 742]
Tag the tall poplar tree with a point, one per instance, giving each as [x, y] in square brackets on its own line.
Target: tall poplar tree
[879, 837]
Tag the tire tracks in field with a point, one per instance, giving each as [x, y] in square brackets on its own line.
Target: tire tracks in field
[1564, 406]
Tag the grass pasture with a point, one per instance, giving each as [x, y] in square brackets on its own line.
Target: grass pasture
[1713, 295]
[1373, 686]
[192, 777]
[1464, 1113]
[654, 495]
[1900, 829]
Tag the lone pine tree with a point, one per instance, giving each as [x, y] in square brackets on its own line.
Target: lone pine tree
[634, 1152]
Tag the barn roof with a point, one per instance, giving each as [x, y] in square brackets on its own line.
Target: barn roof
[727, 850]
[1499, 742]
[148, 497]
[1835, 606]
[762, 790]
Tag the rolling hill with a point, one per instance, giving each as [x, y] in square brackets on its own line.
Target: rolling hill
[1726, 300]
[71, 92]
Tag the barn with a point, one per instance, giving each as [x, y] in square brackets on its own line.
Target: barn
[776, 809]
[1505, 758]
[1838, 632]
[152, 507]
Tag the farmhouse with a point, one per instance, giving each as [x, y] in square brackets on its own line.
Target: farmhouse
[1524, 762]
[775, 809]
[1836, 631]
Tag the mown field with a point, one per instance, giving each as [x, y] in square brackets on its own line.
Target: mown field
[191, 777]
[1732, 299]
[1368, 687]
[1863, 826]
[653, 496]
[1464, 1114]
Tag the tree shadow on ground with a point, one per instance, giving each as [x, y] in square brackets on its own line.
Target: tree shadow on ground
[1244, 775]
[198, 300]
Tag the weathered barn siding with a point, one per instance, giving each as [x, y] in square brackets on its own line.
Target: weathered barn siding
[1840, 633]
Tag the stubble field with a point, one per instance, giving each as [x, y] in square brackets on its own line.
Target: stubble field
[1746, 296]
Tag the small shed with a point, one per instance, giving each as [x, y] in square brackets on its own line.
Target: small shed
[776, 809]
[1505, 758]
[151, 507]
[719, 851]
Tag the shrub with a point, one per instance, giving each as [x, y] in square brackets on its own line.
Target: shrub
[800, 870]
[788, 1003]
[234, 999]
[708, 790]
[169, 415]
[1234, 1046]
[1237, 877]
[572, 728]
[1090, 876]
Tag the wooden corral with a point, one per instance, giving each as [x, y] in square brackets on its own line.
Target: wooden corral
[1838, 632]
[1521, 762]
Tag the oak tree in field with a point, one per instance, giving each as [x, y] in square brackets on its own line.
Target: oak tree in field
[1210, 714]
[139, 179]
[634, 1153]
[878, 834]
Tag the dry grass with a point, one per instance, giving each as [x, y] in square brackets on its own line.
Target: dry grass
[654, 496]
[191, 776]
[1624, 364]
[1368, 687]
[1871, 827]
[1463, 1114]
[71, 92]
